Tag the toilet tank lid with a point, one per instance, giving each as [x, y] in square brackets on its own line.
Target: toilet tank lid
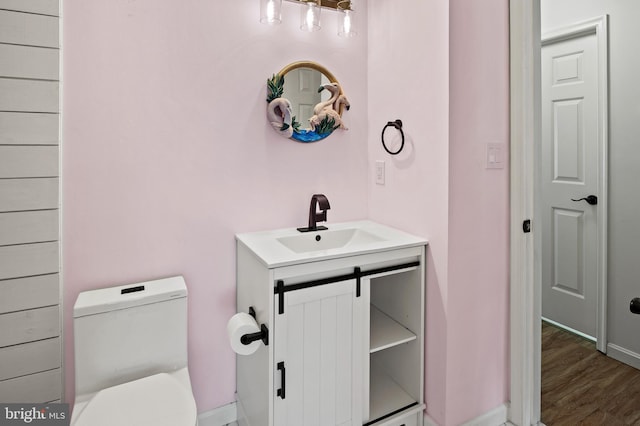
[125, 296]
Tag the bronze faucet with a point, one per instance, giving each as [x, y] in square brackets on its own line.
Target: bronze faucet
[317, 201]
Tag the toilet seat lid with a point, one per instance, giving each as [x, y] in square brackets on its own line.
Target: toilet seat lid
[158, 400]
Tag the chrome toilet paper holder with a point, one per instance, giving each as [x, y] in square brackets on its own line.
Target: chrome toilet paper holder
[263, 334]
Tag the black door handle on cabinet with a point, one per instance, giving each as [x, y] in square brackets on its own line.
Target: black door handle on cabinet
[591, 199]
[283, 380]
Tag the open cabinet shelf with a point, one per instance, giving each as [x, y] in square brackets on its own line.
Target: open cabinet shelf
[385, 332]
[396, 320]
[386, 396]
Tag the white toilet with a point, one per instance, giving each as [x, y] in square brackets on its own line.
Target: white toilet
[131, 356]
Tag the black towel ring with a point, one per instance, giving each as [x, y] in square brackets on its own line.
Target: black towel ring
[398, 125]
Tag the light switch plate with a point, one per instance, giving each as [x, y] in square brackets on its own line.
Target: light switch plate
[495, 156]
[379, 170]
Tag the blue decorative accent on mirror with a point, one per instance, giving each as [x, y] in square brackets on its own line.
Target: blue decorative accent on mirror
[309, 136]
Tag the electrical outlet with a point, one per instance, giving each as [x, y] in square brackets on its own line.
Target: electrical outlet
[380, 172]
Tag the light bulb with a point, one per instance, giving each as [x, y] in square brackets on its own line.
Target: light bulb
[270, 11]
[346, 25]
[309, 18]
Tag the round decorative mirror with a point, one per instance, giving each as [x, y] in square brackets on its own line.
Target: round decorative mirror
[305, 102]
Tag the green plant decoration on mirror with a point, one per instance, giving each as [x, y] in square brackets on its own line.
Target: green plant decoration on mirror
[275, 87]
[323, 116]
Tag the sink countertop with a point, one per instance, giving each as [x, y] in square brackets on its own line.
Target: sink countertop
[273, 253]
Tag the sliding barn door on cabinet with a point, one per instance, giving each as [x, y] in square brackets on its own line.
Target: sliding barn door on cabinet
[318, 356]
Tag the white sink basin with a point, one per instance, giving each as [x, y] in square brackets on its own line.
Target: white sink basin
[284, 247]
[326, 240]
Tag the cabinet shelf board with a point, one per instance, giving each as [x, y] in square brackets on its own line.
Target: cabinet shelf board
[386, 332]
[385, 395]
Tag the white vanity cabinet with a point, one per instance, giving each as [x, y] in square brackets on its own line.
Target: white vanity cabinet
[346, 338]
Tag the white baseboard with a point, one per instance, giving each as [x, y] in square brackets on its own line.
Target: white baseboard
[428, 421]
[623, 355]
[226, 414]
[220, 416]
[495, 417]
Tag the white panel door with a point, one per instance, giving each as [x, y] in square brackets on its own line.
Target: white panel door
[318, 367]
[569, 171]
[301, 88]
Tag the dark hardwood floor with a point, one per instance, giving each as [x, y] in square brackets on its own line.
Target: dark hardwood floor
[581, 386]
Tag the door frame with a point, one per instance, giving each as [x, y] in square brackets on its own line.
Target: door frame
[597, 26]
[525, 265]
[525, 298]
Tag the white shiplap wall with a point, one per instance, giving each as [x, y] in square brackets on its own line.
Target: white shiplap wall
[30, 338]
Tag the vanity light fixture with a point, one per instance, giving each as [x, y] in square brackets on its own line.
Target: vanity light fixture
[270, 13]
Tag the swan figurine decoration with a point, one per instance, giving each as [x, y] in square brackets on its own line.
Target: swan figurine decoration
[334, 89]
[342, 100]
[279, 115]
[326, 112]
[330, 116]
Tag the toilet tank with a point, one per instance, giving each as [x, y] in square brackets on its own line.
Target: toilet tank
[128, 332]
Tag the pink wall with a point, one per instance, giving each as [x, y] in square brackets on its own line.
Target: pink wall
[477, 335]
[442, 67]
[167, 153]
[408, 80]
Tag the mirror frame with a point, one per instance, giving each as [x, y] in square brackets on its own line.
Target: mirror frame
[295, 135]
